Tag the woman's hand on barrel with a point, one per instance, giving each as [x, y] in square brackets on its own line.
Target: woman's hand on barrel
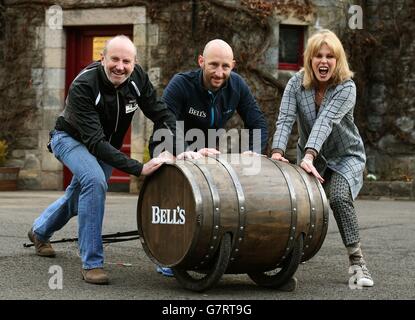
[208, 152]
[278, 156]
[308, 166]
[153, 165]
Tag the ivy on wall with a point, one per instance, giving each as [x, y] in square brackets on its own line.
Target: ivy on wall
[17, 56]
[380, 56]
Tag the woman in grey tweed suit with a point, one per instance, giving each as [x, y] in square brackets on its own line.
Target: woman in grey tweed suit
[322, 98]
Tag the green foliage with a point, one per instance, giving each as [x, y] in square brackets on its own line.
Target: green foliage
[3, 152]
[146, 155]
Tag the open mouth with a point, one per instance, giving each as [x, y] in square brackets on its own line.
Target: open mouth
[323, 71]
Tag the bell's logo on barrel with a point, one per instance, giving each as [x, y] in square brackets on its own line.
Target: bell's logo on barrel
[168, 216]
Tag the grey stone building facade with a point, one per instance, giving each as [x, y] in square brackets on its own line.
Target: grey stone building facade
[33, 54]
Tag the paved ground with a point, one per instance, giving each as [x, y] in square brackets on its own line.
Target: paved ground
[388, 229]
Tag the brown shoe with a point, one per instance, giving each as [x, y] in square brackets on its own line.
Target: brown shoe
[43, 249]
[95, 276]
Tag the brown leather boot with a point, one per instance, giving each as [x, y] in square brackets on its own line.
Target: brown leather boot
[43, 249]
[95, 276]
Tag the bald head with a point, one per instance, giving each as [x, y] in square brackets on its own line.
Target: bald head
[216, 64]
[218, 46]
[118, 59]
[120, 41]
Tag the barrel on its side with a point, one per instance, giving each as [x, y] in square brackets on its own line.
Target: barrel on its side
[185, 208]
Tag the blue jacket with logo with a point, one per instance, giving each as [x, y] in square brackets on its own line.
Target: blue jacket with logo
[200, 108]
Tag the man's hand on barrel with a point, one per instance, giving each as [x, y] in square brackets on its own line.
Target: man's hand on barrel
[208, 152]
[188, 155]
[308, 166]
[251, 153]
[167, 155]
[153, 165]
[278, 156]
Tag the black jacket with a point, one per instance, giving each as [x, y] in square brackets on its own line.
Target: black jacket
[98, 114]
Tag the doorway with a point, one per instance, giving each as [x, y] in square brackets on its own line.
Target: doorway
[84, 45]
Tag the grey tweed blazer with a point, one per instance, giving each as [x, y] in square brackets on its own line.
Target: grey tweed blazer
[331, 132]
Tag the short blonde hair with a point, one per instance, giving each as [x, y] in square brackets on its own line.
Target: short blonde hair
[341, 72]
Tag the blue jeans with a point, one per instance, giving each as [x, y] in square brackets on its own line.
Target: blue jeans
[85, 197]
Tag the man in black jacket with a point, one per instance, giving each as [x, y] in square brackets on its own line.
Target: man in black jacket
[87, 137]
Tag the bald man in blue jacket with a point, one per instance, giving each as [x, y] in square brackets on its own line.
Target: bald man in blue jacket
[207, 98]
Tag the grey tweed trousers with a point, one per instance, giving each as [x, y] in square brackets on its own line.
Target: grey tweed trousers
[341, 202]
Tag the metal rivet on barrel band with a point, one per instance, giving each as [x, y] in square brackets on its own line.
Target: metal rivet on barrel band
[306, 246]
[240, 239]
[207, 256]
[211, 248]
[242, 208]
[314, 209]
[310, 236]
[232, 259]
[283, 257]
[215, 237]
[291, 238]
[312, 225]
[295, 209]
[241, 228]
[216, 227]
[236, 250]
[217, 209]
[288, 249]
[293, 228]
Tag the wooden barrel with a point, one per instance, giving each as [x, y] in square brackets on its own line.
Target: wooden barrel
[265, 205]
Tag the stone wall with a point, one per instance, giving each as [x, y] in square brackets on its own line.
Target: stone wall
[171, 37]
[390, 99]
[18, 57]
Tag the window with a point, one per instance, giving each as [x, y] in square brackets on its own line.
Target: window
[290, 47]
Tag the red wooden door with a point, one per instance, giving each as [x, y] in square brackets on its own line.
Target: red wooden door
[83, 46]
